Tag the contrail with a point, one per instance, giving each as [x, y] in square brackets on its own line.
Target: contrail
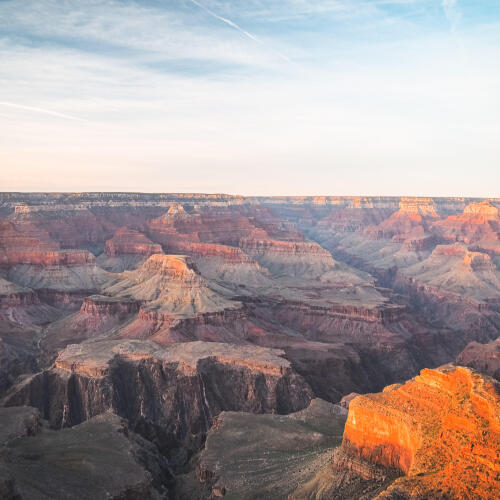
[40, 110]
[239, 28]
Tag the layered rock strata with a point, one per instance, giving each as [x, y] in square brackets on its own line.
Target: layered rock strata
[440, 430]
[168, 395]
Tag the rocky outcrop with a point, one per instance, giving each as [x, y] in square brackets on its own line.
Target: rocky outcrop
[128, 249]
[483, 209]
[31, 260]
[170, 285]
[229, 266]
[478, 225]
[168, 395]
[455, 269]
[19, 239]
[280, 452]
[228, 325]
[482, 357]
[440, 430]
[101, 306]
[290, 258]
[98, 459]
[300, 274]
[129, 241]
[177, 228]
[98, 316]
[70, 225]
[14, 296]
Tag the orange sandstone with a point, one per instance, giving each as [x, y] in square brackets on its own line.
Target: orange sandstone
[440, 429]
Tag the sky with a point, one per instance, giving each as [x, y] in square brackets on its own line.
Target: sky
[252, 97]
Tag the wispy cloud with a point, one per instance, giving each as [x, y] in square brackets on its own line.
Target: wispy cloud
[172, 90]
[239, 28]
[452, 13]
[40, 110]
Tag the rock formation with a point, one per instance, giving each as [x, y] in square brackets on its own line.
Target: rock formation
[98, 459]
[128, 249]
[168, 395]
[280, 452]
[478, 225]
[482, 357]
[441, 431]
[105, 297]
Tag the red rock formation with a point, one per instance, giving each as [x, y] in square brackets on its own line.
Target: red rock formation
[54, 258]
[285, 248]
[440, 429]
[129, 241]
[177, 228]
[71, 226]
[346, 220]
[230, 255]
[409, 221]
[17, 247]
[292, 258]
[478, 225]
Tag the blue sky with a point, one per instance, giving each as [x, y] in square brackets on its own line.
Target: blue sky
[251, 97]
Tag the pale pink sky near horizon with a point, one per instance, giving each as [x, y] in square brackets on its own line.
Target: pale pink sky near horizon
[319, 97]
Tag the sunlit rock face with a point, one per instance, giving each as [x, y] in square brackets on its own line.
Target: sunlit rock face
[478, 225]
[441, 430]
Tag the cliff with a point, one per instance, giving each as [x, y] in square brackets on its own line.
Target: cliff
[441, 430]
[478, 225]
[129, 241]
[169, 395]
[482, 357]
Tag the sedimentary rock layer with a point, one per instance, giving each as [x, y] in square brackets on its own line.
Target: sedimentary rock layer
[168, 395]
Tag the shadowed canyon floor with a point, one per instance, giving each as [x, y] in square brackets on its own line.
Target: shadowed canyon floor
[209, 340]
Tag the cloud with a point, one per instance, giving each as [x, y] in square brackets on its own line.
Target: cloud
[452, 13]
[373, 91]
[41, 110]
[239, 28]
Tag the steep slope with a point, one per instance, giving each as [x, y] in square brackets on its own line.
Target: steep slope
[99, 459]
[174, 299]
[169, 284]
[478, 226]
[482, 357]
[168, 395]
[441, 430]
[456, 269]
[59, 276]
[280, 452]
[400, 240]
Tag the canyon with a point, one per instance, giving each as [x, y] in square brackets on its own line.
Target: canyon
[249, 347]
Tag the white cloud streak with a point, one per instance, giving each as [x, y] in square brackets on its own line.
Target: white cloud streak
[237, 27]
[41, 110]
[452, 13]
[361, 114]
